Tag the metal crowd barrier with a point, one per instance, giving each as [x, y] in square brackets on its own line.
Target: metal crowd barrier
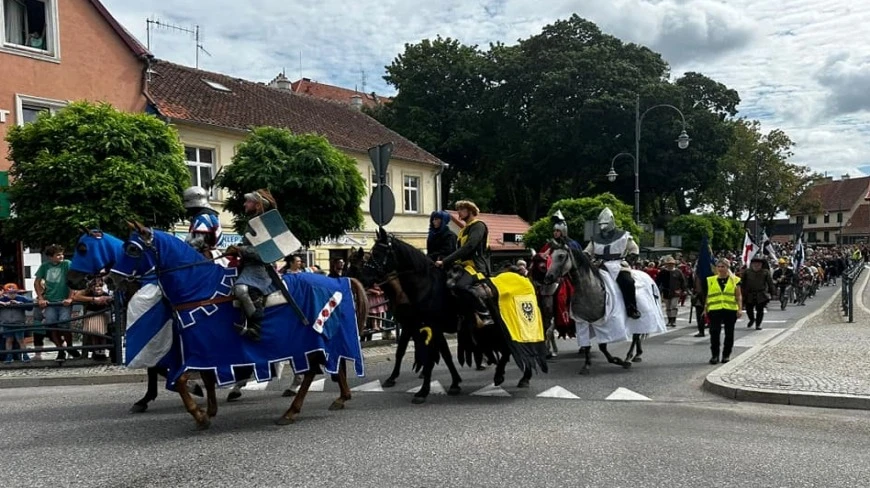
[849, 278]
[114, 333]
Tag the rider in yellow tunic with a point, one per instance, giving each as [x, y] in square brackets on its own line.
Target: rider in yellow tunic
[473, 241]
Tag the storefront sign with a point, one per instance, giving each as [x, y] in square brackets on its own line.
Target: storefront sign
[227, 239]
[512, 238]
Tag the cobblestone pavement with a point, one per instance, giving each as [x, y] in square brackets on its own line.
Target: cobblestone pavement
[825, 356]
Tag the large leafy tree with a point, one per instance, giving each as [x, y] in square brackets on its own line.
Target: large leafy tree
[440, 83]
[91, 165]
[577, 212]
[318, 188]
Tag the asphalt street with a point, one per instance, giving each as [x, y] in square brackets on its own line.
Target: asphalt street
[562, 431]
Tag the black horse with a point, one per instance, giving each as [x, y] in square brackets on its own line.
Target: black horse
[427, 310]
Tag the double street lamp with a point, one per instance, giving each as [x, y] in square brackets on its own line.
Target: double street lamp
[682, 142]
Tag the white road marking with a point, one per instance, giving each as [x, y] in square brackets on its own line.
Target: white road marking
[625, 394]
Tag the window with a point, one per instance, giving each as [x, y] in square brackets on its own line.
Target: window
[411, 189]
[827, 218]
[200, 162]
[374, 179]
[28, 108]
[812, 219]
[811, 237]
[839, 217]
[827, 236]
[799, 219]
[28, 26]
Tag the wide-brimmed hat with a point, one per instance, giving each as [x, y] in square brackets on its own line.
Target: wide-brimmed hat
[669, 260]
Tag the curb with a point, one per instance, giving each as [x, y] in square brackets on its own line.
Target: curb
[140, 377]
[715, 384]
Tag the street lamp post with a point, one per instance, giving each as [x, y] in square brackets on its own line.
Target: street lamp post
[682, 142]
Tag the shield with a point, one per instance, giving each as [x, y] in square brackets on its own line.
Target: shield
[271, 238]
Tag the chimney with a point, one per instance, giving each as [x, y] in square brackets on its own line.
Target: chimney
[356, 102]
[280, 82]
[845, 176]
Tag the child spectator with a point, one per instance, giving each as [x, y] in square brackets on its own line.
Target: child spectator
[12, 319]
[96, 301]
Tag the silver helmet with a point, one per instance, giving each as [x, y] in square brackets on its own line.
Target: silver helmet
[195, 197]
[559, 223]
[606, 222]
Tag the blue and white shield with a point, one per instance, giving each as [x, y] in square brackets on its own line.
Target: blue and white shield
[271, 238]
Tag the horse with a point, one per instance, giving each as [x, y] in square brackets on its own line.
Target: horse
[597, 307]
[202, 336]
[95, 254]
[545, 292]
[421, 290]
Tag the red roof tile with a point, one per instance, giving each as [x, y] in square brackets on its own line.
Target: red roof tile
[336, 93]
[859, 222]
[840, 194]
[498, 225]
[131, 42]
[180, 93]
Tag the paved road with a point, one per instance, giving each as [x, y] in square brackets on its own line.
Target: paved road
[82, 436]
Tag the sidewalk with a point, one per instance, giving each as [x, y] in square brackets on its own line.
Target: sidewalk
[87, 372]
[820, 361]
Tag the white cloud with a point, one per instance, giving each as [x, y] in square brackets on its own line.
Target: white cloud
[798, 65]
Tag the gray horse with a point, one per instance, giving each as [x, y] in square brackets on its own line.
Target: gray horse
[589, 303]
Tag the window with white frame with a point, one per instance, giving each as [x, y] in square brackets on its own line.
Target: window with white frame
[29, 26]
[200, 163]
[28, 108]
[374, 180]
[411, 190]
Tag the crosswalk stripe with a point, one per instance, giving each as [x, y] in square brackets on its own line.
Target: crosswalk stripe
[757, 337]
[558, 392]
[435, 388]
[370, 386]
[317, 385]
[625, 394]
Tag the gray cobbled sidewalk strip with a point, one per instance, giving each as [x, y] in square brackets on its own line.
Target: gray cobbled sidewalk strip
[82, 372]
[819, 362]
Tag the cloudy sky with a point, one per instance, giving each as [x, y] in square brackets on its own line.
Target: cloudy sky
[799, 65]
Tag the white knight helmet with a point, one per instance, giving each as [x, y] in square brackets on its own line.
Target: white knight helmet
[559, 223]
[195, 197]
[606, 222]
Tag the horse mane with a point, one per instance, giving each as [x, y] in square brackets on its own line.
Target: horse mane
[411, 255]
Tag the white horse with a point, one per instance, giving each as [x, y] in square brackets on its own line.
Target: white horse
[597, 306]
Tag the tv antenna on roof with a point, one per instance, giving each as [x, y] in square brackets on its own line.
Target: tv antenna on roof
[195, 31]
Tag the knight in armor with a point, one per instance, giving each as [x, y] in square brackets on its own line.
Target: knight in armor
[205, 232]
[473, 240]
[560, 233]
[611, 246]
[254, 283]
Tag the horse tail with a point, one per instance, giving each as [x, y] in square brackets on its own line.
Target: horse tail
[361, 301]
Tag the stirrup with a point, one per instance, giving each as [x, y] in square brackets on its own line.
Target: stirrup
[633, 312]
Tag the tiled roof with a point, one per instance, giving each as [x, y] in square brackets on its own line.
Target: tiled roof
[498, 225]
[180, 93]
[336, 93]
[840, 194]
[131, 42]
[859, 222]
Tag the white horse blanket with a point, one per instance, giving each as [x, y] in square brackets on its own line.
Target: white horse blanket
[616, 326]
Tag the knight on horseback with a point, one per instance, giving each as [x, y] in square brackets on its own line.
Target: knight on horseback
[205, 232]
[254, 282]
[560, 231]
[473, 240]
[612, 246]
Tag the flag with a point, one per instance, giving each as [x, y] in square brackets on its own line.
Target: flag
[767, 246]
[799, 254]
[749, 249]
[706, 265]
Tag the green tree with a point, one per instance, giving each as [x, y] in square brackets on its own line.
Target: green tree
[692, 228]
[577, 212]
[318, 188]
[91, 165]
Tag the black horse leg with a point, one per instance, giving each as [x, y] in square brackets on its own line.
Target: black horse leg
[404, 338]
[527, 377]
[500, 367]
[150, 393]
[420, 396]
[630, 354]
[448, 360]
[586, 352]
[639, 338]
[613, 360]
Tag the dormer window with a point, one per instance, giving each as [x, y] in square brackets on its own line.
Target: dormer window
[29, 27]
[217, 86]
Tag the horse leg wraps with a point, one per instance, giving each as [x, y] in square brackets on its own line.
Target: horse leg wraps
[626, 286]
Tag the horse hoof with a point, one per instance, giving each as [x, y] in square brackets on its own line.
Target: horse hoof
[498, 380]
[524, 383]
[336, 405]
[234, 395]
[638, 359]
[389, 383]
[454, 390]
[137, 408]
[626, 365]
[204, 425]
[584, 371]
[418, 400]
[284, 421]
[288, 393]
